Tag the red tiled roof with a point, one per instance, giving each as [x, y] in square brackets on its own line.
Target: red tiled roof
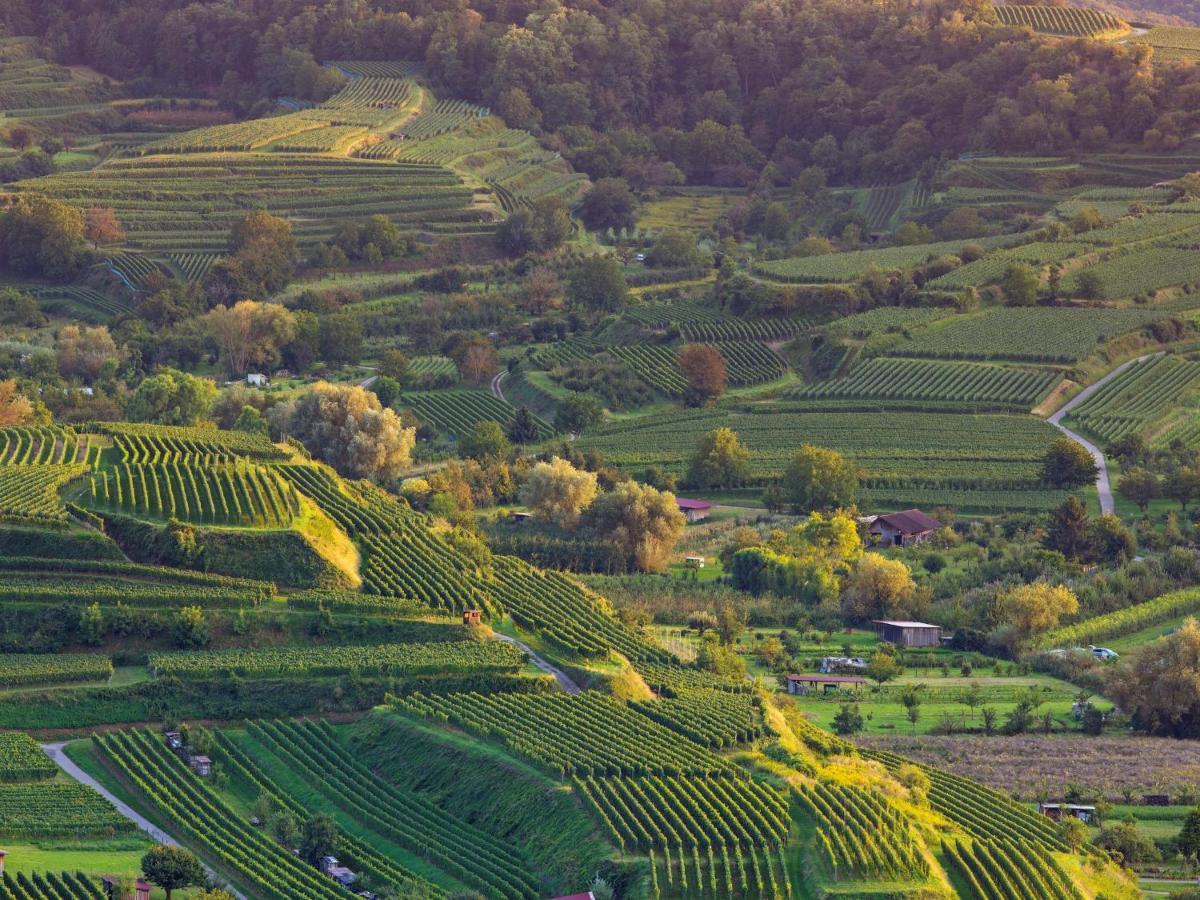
[692, 504]
[910, 521]
[822, 679]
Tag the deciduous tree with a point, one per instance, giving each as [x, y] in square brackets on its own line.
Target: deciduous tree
[558, 492]
[720, 461]
[1068, 465]
[704, 370]
[644, 521]
[84, 352]
[172, 868]
[1037, 607]
[250, 334]
[878, 587]
[171, 397]
[101, 226]
[819, 479]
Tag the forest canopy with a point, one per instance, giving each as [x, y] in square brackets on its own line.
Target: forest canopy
[730, 92]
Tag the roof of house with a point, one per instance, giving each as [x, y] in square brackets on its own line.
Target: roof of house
[901, 623]
[587, 895]
[850, 679]
[910, 521]
[684, 503]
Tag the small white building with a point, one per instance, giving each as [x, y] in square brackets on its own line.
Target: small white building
[694, 562]
[257, 379]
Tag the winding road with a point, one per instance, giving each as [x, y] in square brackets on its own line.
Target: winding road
[1103, 485]
[64, 762]
[561, 677]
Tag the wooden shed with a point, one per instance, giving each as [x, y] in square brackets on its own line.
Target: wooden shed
[902, 529]
[694, 510]
[908, 634]
[823, 684]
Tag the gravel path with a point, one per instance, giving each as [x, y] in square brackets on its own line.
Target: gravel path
[64, 762]
[1103, 485]
[497, 391]
[561, 677]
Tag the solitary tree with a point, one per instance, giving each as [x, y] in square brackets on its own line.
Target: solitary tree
[1037, 607]
[720, 461]
[704, 370]
[1068, 465]
[848, 720]
[644, 521]
[485, 443]
[15, 408]
[172, 868]
[819, 479]
[101, 226]
[598, 285]
[172, 397]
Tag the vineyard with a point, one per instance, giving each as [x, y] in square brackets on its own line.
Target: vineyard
[165, 783]
[1008, 870]
[152, 444]
[21, 759]
[379, 659]
[860, 836]
[843, 267]
[57, 810]
[1036, 334]
[23, 669]
[1142, 395]
[1068, 21]
[310, 752]
[1139, 271]
[43, 446]
[621, 742]
[49, 886]
[966, 383]
[732, 830]
[456, 412]
[30, 493]
[713, 718]
[220, 494]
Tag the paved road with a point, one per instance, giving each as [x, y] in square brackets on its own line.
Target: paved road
[64, 762]
[1103, 485]
[496, 389]
[564, 682]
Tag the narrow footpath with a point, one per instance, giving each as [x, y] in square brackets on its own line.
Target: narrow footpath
[561, 677]
[497, 391]
[1103, 485]
[64, 762]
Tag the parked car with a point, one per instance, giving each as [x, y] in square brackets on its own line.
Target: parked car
[1103, 653]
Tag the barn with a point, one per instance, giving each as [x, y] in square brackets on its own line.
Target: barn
[908, 634]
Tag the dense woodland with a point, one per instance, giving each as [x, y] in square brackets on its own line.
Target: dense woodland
[865, 91]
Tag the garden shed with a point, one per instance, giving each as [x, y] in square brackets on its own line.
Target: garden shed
[902, 529]
[694, 510]
[827, 684]
[908, 634]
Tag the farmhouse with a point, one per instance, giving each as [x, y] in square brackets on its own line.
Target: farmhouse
[902, 529]
[1057, 811]
[694, 510]
[815, 684]
[908, 634]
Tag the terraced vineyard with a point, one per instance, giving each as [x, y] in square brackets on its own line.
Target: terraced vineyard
[860, 835]
[44, 445]
[1007, 870]
[733, 830]
[714, 718]
[1035, 334]
[384, 659]
[1069, 21]
[843, 267]
[1142, 395]
[155, 444]
[456, 412]
[31, 492]
[24, 669]
[623, 742]
[164, 782]
[1138, 272]
[49, 886]
[966, 383]
[222, 494]
[309, 751]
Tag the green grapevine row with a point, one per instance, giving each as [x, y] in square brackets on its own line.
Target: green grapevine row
[1123, 621]
[31, 492]
[713, 718]
[312, 752]
[588, 735]
[356, 853]
[57, 810]
[21, 759]
[860, 835]
[42, 446]
[166, 783]
[385, 659]
[229, 494]
[1138, 397]
[49, 886]
[1008, 870]
[457, 411]
[23, 669]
